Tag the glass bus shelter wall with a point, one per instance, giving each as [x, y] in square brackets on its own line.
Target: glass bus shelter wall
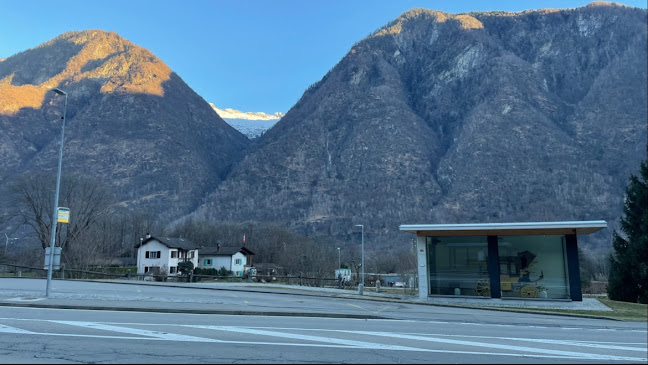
[528, 266]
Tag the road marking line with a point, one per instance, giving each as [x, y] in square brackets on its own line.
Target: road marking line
[596, 344]
[536, 326]
[382, 309]
[357, 306]
[135, 331]
[360, 344]
[346, 344]
[574, 343]
[281, 344]
[8, 329]
[501, 347]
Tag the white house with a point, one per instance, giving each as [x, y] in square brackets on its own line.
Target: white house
[161, 255]
[234, 259]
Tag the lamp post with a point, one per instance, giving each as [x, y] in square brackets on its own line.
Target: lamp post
[7, 242]
[56, 197]
[361, 285]
[339, 262]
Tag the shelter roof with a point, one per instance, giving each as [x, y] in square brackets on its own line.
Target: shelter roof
[505, 229]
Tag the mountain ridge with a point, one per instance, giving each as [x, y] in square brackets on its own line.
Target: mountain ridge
[433, 118]
[131, 121]
[420, 113]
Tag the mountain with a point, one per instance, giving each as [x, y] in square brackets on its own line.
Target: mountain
[131, 122]
[457, 118]
[251, 124]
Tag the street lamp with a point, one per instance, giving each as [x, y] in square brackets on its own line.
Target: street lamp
[56, 197]
[7, 242]
[339, 262]
[361, 285]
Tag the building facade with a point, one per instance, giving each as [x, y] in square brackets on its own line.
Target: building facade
[234, 259]
[160, 256]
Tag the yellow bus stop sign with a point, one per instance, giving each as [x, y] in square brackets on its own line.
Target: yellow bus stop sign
[63, 215]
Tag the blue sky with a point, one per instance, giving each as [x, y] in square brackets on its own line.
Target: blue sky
[251, 55]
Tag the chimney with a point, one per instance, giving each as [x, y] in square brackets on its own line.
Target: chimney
[218, 247]
[148, 235]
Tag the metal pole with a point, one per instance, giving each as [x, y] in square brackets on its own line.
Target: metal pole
[361, 285]
[56, 198]
[339, 262]
[363, 265]
[6, 243]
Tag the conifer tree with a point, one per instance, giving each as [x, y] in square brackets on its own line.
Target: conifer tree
[628, 280]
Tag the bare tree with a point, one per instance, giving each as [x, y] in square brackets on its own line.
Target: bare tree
[87, 199]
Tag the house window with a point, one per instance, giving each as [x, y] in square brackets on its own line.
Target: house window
[146, 268]
[174, 254]
[191, 255]
[172, 270]
[207, 262]
[153, 254]
[237, 261]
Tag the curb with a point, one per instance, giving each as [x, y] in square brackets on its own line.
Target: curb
[191, 311]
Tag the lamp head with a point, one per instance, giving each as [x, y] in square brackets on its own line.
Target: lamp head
[59, 91]
[359, 225]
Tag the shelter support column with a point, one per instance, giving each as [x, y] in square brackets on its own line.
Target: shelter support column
[493, 267]
[571, 251]
[421, 259]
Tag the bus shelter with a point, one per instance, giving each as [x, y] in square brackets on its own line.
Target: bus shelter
[534, 260]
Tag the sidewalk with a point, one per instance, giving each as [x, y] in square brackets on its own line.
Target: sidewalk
[138, 302]
[588, 304]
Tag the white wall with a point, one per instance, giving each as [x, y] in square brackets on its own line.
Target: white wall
[220, 261]
[238, 269]
[201, 262]
[165, 262]
[153, 245]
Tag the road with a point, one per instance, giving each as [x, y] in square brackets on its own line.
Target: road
[291, 331]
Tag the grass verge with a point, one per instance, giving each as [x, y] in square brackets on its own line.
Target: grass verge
[622, 311]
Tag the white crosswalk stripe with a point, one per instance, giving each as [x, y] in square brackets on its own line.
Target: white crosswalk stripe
[340, 338]
[135, 331]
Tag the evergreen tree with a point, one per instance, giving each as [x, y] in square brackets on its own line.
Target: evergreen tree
[628, 280]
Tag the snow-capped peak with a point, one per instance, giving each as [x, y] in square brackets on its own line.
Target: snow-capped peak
[235, 114]
[252, 124]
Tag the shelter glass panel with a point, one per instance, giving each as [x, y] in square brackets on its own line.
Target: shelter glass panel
[533, 267]
[457, 264]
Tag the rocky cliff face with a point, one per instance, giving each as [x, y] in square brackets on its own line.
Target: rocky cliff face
[131, 122]
[443, 118]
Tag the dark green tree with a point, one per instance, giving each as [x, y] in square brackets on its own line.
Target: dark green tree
[628, 280]
[185, 267]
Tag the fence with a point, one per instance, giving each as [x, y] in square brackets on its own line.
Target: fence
[373, 282]
[63, 273]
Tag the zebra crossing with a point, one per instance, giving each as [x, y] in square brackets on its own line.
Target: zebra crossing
[338, 338]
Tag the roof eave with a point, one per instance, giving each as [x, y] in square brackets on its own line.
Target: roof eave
[506, 229]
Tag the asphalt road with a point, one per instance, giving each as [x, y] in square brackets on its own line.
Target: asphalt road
[158, 324]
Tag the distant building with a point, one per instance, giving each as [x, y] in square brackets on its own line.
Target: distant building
[160, 256]
[234, 259]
